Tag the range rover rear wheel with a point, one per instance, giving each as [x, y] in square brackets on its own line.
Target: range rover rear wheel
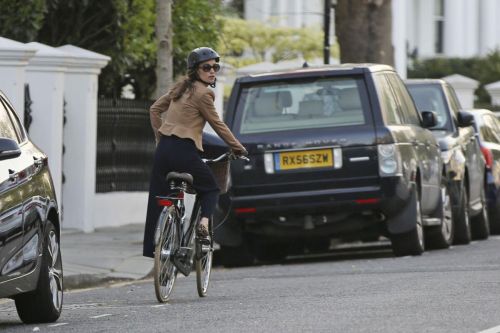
[411, 242]
[236, 256]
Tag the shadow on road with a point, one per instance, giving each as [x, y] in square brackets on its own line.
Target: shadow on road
[338, 252]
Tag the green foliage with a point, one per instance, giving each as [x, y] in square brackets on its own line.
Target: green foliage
[21, 20]
[121, 29]
[195, 24]
[285, 43]
[485, 70]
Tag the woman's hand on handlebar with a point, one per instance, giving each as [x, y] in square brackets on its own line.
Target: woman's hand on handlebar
[239, 155]
[239, 152]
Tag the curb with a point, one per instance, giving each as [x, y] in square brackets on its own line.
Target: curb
[82, 281]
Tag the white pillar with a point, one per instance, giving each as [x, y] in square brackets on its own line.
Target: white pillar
[80, 137]
[399, 36]
[45, 75]
[14, 58]
[464, 87]
[487, 32]
[455, 29]
[471, 29]
[494, 90]
[425, 28]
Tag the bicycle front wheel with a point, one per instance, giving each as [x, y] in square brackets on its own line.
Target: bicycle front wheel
[165, 271]
[204, 256]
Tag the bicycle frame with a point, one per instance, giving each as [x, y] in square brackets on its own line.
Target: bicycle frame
[184, 248]
[177, 248]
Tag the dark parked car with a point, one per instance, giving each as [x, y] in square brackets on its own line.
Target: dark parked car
[335, 152]
[487, 127]
[30, 257]
[464, 162]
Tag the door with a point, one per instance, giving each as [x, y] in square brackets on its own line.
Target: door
[11, 204]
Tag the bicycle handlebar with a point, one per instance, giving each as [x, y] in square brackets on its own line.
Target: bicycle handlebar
[224, 157]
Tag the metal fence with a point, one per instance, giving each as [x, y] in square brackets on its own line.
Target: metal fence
[125, 145]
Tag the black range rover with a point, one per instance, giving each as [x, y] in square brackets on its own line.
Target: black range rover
[335, 152]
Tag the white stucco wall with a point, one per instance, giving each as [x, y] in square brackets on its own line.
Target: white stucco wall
[14, 57]
[80, 139]
[45, 74]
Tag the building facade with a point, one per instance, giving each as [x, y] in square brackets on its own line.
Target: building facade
[421, 28]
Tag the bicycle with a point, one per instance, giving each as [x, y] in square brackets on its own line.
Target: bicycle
[176, 247]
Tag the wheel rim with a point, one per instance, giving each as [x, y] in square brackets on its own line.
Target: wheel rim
[55, 270]
[165, 269]
[205, 263]
[420, 229]
[447, 224]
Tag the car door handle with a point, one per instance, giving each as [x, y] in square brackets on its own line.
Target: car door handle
[38, 161]
[12, 175]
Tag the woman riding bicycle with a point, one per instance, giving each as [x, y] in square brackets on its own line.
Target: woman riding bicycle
[188, 106]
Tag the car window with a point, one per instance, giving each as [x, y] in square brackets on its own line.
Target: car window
[455, 103]
[488, 131]
[406, 103]
[15, 121]
[7, 129]
[388, 102]
[429, 97]
[495, 126]
[299, 104]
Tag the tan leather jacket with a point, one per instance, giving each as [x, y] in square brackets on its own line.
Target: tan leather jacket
[187, 116]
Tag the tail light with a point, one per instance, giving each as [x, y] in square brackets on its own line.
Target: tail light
[389, 160]
[488, 157]
[245, 210]
[164, 202]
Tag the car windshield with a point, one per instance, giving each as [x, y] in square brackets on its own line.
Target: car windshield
[281, 106]
[430, 98]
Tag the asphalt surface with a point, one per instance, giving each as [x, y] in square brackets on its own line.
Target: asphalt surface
[348, 290]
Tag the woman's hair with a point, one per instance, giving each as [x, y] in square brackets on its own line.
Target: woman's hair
[186, 83]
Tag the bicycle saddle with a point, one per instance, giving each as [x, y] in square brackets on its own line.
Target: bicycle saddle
[180, 176]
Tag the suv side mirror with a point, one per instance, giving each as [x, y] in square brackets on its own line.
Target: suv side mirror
[429, 119]
[9, 149]
[465, 119]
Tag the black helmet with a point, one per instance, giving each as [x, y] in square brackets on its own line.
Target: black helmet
[201, 54]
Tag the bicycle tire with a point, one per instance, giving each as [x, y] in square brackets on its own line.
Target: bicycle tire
[203, 262]
[165, 271]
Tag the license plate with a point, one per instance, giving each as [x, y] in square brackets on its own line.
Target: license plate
[303, 159]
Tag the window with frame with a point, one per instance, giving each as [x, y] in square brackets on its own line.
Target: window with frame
[300, 104]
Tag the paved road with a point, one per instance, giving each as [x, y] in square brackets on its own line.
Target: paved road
[366, 290]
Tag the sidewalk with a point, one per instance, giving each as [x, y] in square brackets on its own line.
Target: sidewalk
[107, 254]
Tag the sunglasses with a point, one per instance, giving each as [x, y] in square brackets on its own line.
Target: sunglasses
[207, 67]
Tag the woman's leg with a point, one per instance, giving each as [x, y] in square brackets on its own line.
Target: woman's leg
[205, 186]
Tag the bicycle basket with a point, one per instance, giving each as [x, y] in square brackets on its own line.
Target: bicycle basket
[220, 171]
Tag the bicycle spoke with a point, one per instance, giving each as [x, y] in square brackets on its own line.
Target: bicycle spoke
[164, 269]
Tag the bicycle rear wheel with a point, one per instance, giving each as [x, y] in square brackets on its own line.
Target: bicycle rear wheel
[165, 271]
[204, 255]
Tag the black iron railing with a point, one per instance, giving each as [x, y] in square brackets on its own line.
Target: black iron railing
[125, 145]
